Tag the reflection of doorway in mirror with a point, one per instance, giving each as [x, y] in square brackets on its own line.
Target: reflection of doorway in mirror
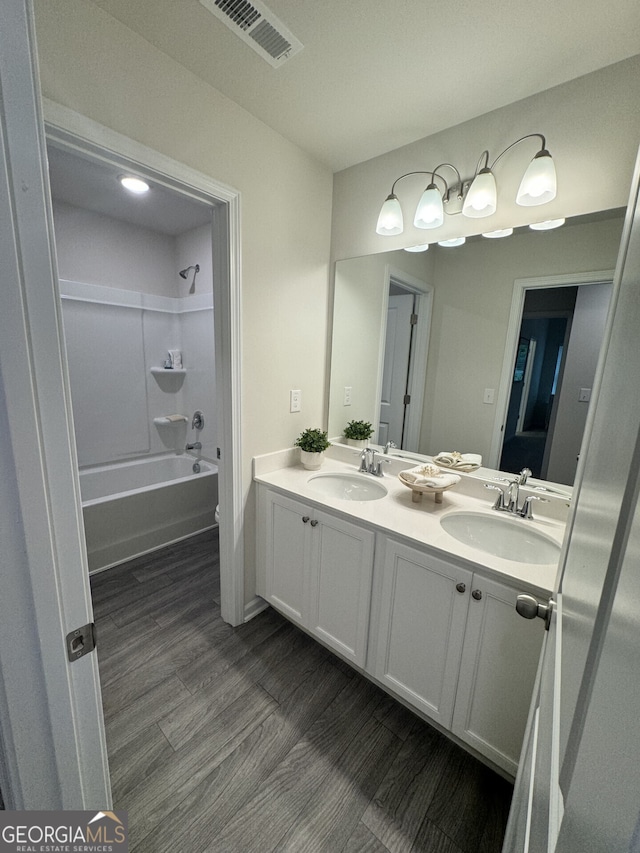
[545, 417]
[403, 364]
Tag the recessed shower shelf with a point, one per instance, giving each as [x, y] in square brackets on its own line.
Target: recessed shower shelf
[168, 371]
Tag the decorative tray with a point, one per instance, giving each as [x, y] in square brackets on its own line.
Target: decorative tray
[420, 489]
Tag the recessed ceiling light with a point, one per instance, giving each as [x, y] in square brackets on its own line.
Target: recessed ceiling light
[501, 232]
[455, 241]
[547, 225]
[134, 185]
[420, 248]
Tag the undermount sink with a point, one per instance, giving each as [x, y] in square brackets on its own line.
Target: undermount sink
[347, 487]
[502, 536]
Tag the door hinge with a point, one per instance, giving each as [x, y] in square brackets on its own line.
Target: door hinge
[81, 641]
[414, 319]
[407, 399]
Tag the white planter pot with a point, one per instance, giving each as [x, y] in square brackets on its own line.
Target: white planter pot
[358, 442]
[311, 461]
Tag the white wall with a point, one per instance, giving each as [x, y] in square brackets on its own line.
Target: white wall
[592, 129]
[98, 249]
[94, 65]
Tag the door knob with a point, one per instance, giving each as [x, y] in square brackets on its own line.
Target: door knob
[314, 523]
[461, 587]
[477, 594]
[529, 608]
[305, 518]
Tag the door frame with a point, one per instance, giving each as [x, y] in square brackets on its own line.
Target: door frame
[418, 365]
[520, 287]
[74, 132]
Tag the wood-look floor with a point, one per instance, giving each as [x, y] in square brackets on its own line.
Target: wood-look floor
[232, 740]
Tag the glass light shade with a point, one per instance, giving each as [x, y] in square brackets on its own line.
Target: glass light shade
[390, 220]
[500, 232]
[430, 210]
[420, 248]
[482, 196]
[547, 225]
[538, 185]
[134, 185]
[455, 241]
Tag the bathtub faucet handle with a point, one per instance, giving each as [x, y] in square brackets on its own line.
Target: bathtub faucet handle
[197, 422]
[195, 446]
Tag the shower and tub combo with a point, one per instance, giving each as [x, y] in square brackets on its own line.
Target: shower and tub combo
[145, 481]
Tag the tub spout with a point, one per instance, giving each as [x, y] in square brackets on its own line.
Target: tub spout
[195, 446]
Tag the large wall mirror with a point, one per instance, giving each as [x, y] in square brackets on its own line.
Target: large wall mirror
[502, 347]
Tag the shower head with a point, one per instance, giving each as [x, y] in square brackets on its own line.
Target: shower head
[183, 273]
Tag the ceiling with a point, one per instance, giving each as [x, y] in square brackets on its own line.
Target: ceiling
[93, 185]
[375, 75]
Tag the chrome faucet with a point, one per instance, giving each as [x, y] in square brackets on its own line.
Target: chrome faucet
[197, 445]
[508, 499]
[369, 464]
[389, 445]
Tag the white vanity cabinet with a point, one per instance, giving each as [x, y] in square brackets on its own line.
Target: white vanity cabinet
[440, 636]
[450, 642]
[317, 571]
[423, 609]
[497, 672]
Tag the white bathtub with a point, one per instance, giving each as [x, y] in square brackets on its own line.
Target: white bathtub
[133, 507]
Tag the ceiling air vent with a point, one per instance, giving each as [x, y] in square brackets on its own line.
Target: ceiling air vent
[258, 27]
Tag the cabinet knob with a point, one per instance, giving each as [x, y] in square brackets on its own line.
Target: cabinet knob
[305, 518]
[461, 587]
[314, 522]
[477, 594]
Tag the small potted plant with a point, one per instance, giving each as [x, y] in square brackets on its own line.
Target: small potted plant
[358, 433]
[312, 444]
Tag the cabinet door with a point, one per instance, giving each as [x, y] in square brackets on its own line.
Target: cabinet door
[497, 674]
[286, 554]
[340, 585]
[422, 616]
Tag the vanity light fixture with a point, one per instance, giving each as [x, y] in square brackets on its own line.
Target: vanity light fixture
[455, 241]
[547, 225]
[134, 185]
[422, 247]
[501, 232]
[475, 198]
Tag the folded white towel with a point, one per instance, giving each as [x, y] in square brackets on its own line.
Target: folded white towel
[454, 459]
[175, 419]
[429, 475]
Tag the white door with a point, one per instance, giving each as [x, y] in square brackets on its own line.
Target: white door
[397, 349]
[577, 788]
[51, 724]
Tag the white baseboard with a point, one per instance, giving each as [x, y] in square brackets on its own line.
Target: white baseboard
[253, 607]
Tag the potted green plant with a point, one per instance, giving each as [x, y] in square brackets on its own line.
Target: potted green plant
[312, 444]
[358, 433]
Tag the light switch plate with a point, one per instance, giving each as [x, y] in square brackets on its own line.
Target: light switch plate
[295, 401]
[346, 401]
[489, 395]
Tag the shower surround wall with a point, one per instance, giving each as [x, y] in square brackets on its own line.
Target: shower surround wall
[114, 338]
[124, 306]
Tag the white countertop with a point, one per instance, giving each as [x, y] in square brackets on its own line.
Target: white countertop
[397, 515]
